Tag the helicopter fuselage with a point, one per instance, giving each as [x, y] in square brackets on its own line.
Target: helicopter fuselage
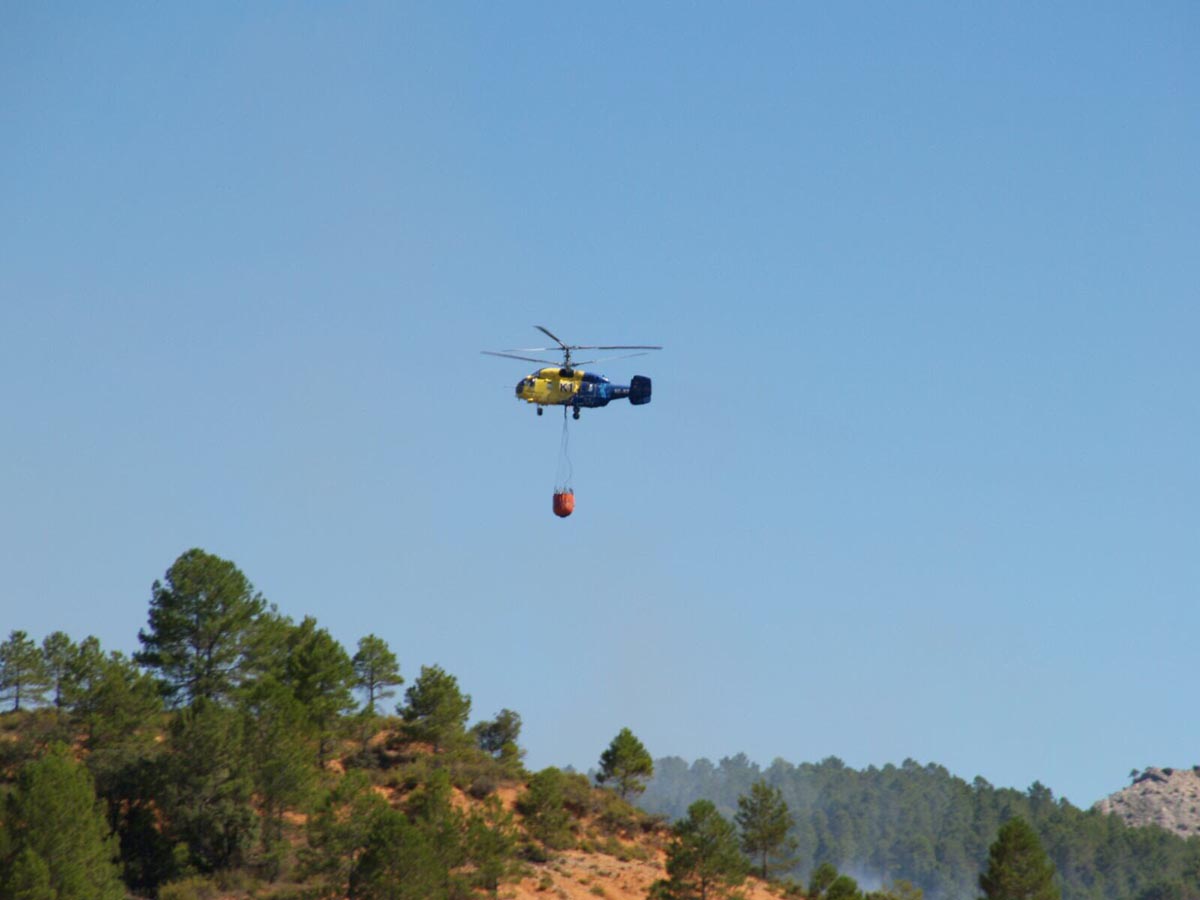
[560, 386]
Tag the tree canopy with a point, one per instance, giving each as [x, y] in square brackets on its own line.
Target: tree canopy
[201, 625]
[206, 785]
[765, 824]
[60, 833]
[435, 710]
[320, 673]
[1018, 868]
[498, 737]
[920, 824]
[207, 789]
[376, 669]
[544, 806]
[23, 674]
[57, 652]
[703, 860]
[626, 763]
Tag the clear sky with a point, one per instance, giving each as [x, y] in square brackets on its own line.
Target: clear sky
[919, 478]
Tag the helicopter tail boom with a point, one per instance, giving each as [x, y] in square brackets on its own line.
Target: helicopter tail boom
[638, 391]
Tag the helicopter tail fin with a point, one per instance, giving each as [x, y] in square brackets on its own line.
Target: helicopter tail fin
[639, 390]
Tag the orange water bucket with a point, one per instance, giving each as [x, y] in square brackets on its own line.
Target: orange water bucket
[564, 504]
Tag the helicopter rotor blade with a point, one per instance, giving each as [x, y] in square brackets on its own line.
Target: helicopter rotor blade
[566, 349]
[552, 337]
[588, 362]
[620, 347]
[544, 362]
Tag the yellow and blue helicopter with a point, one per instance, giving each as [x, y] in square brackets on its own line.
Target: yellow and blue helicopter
[565, 385]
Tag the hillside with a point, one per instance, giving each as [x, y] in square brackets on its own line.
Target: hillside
[253, 769]
[607, 848]
[241, 753]
[922, 824]
[614, 852]
[1168, 798]
[580, 875]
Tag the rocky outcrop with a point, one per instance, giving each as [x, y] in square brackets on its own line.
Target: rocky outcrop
[1169, 798]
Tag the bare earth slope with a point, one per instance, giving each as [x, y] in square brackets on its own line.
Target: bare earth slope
[575, 875]
[1169, 798]
[616, 865]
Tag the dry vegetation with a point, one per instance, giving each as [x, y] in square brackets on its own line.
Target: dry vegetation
[617, 850]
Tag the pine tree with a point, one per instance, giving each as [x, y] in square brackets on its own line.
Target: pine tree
[119, 708]
[498, 738]
[442, 824]
[489, 842]
[23, 676]
[765, 822]
[398, 863]
[84, 668]
[279, 759]
[57, 652]
[28, 879]
[320, 673]
[627, 763]
[207, 800]
[436, 710]
[61, 834]
[820, 880]
[201, 628]
[843, 888]
[494, 734]
[339, 830]
[704, 860]
[376, 669]
[826, 884]
[1018, 868]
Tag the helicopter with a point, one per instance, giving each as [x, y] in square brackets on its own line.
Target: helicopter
[565, 385]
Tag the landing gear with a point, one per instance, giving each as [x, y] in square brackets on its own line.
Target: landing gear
[539, 410]
[575, 414]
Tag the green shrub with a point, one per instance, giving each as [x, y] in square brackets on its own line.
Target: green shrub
[544, 808]
[624, 852]
[301, 893]
[534, 851]
[579, 795]
[368, 758]
[615, 814]
[410, 775]
[195, 888]
[483, 786]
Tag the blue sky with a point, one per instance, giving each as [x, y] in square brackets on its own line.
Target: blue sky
[919, 478]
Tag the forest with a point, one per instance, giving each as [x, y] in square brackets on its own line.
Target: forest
[241, 753]
[922, 824]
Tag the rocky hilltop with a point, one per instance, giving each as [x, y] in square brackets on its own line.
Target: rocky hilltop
[1169, 798]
